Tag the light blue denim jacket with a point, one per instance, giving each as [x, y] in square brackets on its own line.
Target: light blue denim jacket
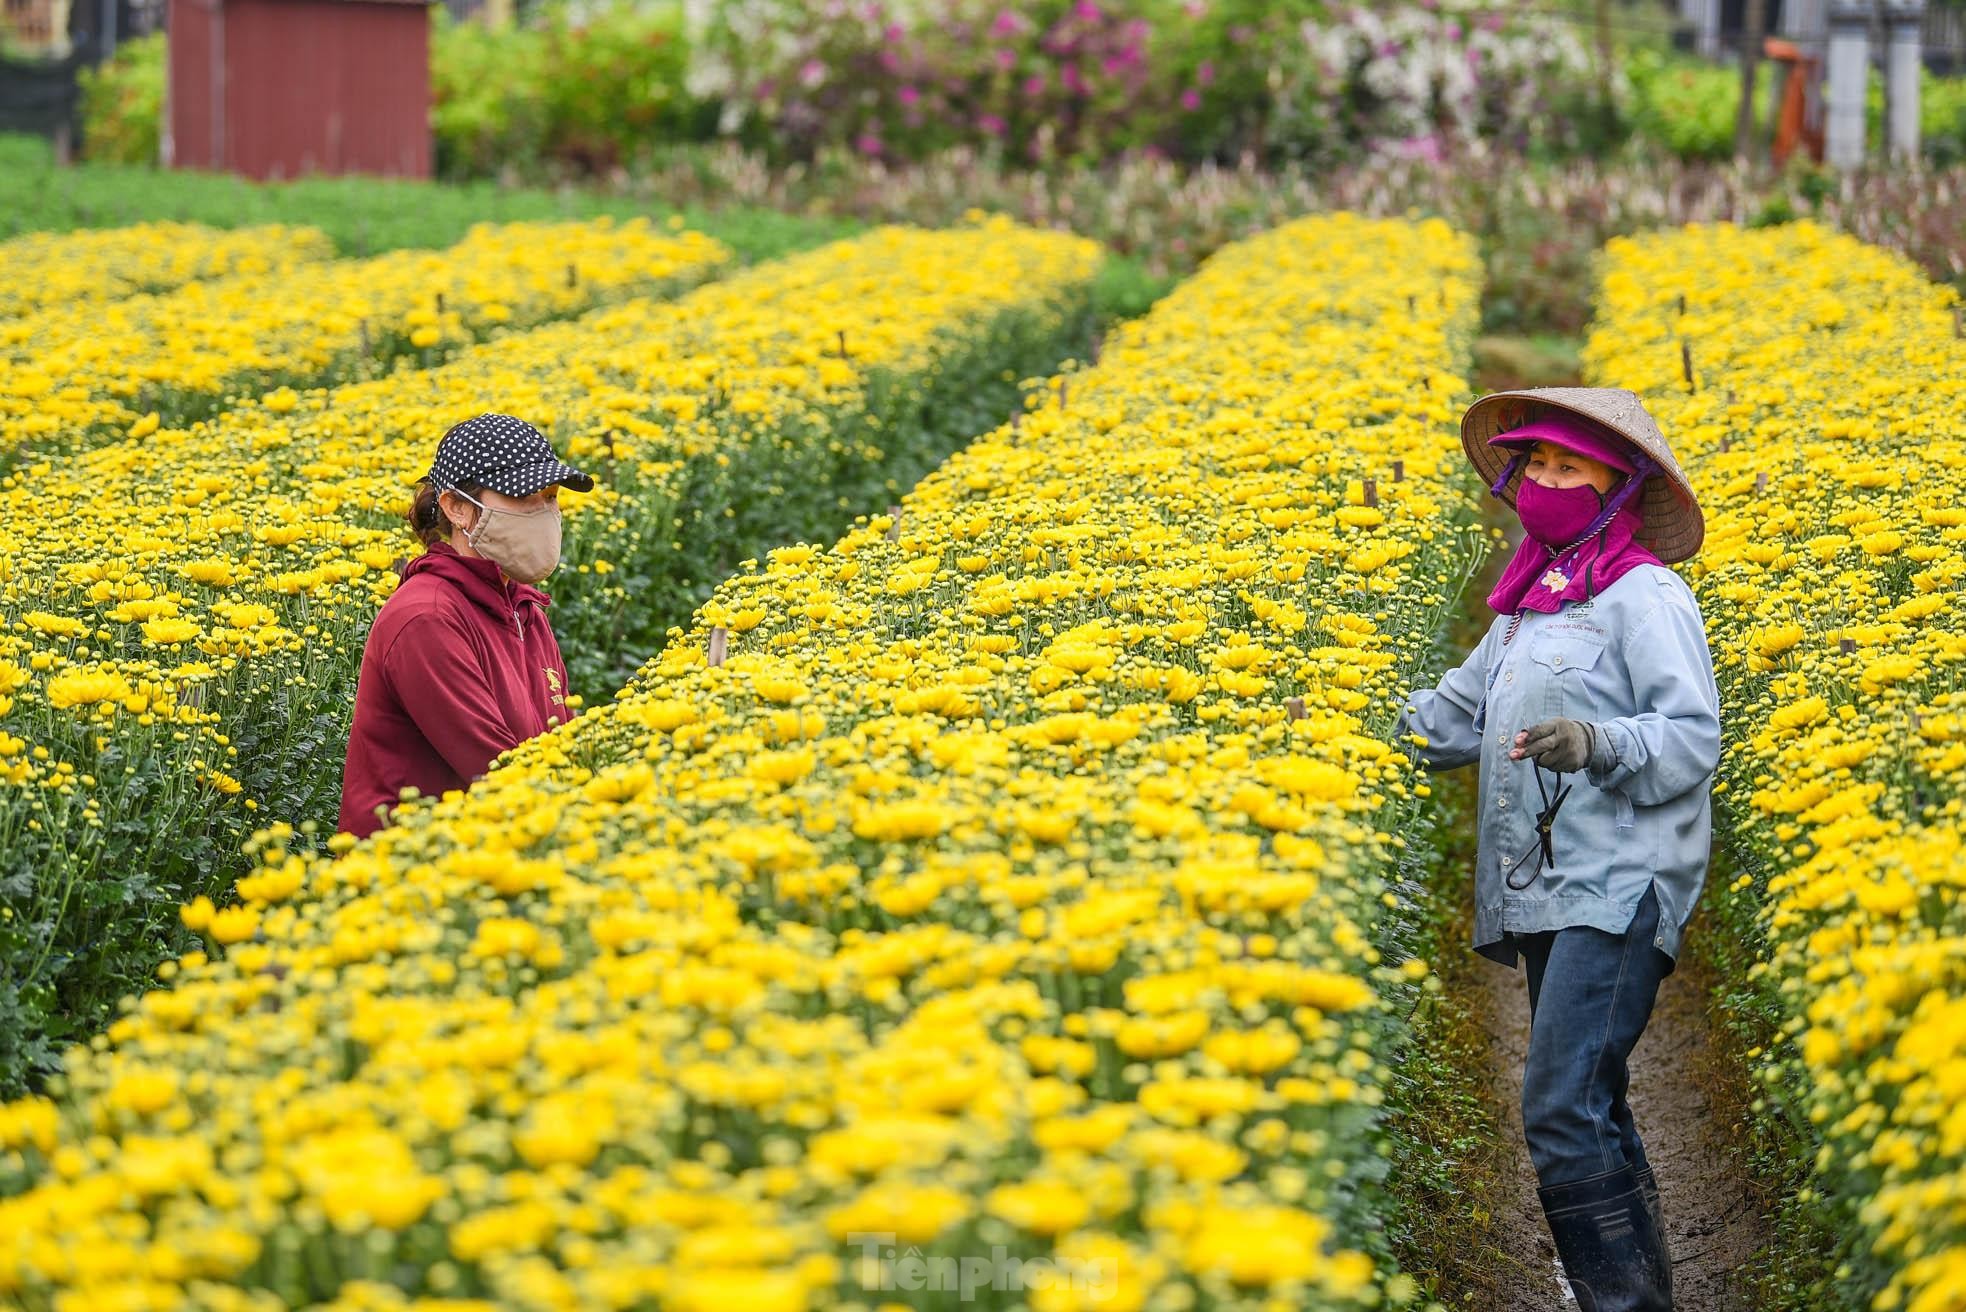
[1634, 662]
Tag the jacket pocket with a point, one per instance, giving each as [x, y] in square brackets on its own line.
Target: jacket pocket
[1561, 655]
[1564, 666]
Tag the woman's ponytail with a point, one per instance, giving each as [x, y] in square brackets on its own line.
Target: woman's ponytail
[425, 516]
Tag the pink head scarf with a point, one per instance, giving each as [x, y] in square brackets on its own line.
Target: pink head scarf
[1544, 579]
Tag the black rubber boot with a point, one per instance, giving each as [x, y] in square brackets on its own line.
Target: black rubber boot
[1648, 1185]
[1610, 1247]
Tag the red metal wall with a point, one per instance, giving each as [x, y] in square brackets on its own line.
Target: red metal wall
[192, 94]
[306, 86]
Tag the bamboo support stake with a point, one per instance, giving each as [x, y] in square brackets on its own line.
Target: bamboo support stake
[719, 646]
[1062, 394]
[1399, 471]
[1848, 646]
[573, 276]
[1686, 361]
[1294, 708]
[1371, 491]
[440, 304]
[842, 335]
[1761, 482]
[894, 524]
[1682, 305]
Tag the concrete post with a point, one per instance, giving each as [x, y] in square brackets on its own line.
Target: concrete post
[1904, 24]
[1848, 69]
[1703, 16]
[1806, 22]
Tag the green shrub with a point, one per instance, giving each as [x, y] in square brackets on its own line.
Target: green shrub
[1942, 118]
[1689, 105]
[482, 112]
[571, 97]
[123, 103]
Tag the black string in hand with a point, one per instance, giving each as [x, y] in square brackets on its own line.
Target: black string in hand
[1544, 848]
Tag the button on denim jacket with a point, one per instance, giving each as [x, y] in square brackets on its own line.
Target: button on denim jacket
[1634, 662]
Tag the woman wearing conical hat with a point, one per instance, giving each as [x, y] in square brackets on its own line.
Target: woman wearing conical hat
[1592, 709]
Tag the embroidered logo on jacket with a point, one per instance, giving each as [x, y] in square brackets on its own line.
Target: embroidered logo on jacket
[553, 683]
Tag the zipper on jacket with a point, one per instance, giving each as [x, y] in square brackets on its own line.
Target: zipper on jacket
[520, 628]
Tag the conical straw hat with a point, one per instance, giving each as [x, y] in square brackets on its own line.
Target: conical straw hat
[1674, 527]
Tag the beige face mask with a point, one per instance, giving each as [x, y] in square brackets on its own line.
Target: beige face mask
[525, 544]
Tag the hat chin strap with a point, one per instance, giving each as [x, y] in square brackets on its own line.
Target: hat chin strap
[1644, 468]
[1508, 472]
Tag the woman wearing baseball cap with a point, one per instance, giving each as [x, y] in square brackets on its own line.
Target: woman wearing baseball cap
[461, 663]
[1592, 709]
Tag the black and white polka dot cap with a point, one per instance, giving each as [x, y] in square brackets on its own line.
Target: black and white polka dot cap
[504, 454]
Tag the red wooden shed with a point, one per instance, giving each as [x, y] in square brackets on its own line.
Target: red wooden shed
[281, 88]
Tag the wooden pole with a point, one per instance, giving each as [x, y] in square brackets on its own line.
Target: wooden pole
[719, 646]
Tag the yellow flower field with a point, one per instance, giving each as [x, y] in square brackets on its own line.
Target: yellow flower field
[181, 650]
[43, 270]
[81, 370]
[1013, 882]
[1823, 431]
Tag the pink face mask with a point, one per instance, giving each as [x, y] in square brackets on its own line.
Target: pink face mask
[1556, 516]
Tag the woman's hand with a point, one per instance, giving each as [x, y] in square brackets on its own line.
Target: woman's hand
[1560, 745]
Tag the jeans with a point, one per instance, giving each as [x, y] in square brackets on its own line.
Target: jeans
[1590, 994]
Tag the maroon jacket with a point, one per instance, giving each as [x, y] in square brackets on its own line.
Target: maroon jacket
[459, 665]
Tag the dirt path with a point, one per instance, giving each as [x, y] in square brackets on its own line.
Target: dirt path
[1687, 1099]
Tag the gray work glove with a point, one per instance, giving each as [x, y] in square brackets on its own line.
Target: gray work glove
[1559, 745]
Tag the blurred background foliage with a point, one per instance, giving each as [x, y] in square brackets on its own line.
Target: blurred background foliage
[573, 92]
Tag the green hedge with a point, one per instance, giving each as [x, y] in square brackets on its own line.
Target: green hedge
[362, 215]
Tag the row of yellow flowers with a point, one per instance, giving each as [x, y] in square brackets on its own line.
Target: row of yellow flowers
[181, 616]
[980, 908]
[1824, 428]
[83, 367]
[42, 270]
